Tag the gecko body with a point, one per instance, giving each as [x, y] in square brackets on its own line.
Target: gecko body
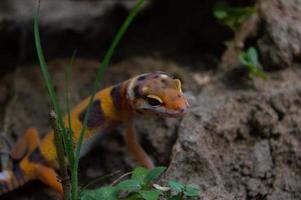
[154, 93]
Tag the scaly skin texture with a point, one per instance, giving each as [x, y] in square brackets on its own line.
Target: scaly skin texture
[154, 93]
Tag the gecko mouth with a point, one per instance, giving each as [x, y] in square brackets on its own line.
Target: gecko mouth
[176, 113]
[162, 111]
[170, 113]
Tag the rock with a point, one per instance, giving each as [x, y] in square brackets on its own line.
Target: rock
[263, 159]
[280, 42]
[211, 153]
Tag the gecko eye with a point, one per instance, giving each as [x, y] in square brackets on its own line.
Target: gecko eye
[153, 100]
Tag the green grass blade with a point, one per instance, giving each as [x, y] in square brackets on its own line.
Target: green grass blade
[103, 67]
[54, 99]
[44, 69]
[70, 141]
[51, 91]
[47, 78]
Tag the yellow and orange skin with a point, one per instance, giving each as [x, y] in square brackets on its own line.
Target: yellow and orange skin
[154, 93]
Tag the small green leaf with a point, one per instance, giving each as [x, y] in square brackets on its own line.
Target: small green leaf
[252, 54]
[129, 185]
[243, 58]
[139, 174]
[132, 196]
[259, 73]
[250, 60]
[150, 195]
[220, 14]
[176, 186]
[175, 197]
[106, 192]
[191, 191]
[153, 174]
[232, 16]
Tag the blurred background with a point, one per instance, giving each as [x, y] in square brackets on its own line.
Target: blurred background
[185, 32]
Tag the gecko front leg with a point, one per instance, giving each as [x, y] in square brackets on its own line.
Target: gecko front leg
[134, 147]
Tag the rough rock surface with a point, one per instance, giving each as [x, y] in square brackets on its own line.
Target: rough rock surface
[281, 35]
[242, 145]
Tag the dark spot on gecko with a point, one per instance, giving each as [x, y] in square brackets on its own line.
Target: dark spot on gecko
[163, 81]
[179, 96]
[19, 174]
[96, 116]
[36, 156]
[137, 92]
[156, 76]
[116, 97]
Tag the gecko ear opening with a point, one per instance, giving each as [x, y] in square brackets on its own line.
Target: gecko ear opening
[178, 85]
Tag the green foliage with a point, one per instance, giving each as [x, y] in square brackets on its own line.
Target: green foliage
[249, 59]
[230, 16]
[176, 186]
[140, 187]
[233, 17]
[129, 185]
[150, 195]
[106, 192]
[182, 191]
[139, 174]
[153, 174]
[191, 191]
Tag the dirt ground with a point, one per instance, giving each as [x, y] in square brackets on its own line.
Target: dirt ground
[241, 138]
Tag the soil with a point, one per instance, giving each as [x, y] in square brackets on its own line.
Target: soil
[241, 138]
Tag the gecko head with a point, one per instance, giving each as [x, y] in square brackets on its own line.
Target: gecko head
[158, 94]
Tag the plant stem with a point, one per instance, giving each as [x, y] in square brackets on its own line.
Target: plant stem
[74, 182]
[58, 141]
[121, 177]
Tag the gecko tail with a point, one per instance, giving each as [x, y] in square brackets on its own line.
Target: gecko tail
[12, 179]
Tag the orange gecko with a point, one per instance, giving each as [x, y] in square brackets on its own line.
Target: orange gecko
[155, 93]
